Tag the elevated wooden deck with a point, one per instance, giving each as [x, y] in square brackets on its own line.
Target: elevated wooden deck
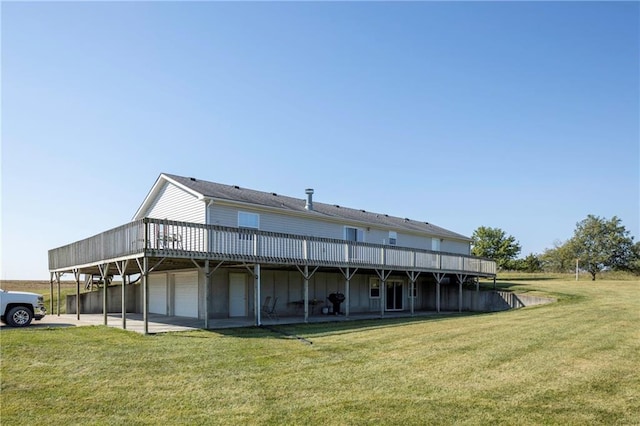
[182, 243]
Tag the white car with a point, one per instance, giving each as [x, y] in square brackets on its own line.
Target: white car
[19, 308]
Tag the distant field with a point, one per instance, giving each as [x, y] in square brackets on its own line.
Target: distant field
[44, 288]
[573, 362]
[33, 286]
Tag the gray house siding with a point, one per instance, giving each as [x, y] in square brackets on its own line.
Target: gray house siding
[461, 247]
[226, 215]
[174, 203]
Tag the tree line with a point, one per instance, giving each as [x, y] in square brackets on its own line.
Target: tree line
[598, 244]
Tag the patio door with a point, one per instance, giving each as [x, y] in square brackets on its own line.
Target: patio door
[393, 295]
[237, 295]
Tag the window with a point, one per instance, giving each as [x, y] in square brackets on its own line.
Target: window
[374, 288]
[393, 238]
[435, 244]
[413, 292]
[353, 234]
[248, 220]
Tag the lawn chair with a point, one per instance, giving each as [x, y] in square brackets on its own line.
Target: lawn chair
[269, 309]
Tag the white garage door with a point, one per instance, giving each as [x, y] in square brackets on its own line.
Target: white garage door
[158, 294]
[186, 295]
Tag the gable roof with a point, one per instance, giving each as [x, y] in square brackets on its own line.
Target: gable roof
[232, 193]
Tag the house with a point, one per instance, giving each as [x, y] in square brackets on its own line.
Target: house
[212, 251]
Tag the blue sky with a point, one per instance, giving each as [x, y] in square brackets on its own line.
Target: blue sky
[522, 116]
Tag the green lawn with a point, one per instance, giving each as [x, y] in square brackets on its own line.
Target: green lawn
[573, 362]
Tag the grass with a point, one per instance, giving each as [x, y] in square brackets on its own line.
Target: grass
[572, 362]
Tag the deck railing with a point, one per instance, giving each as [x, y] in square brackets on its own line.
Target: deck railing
[154, 237]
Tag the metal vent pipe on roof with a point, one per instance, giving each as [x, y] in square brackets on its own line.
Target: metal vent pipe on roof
[309, 204]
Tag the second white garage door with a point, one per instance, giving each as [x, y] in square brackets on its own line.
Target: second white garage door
[186, 294]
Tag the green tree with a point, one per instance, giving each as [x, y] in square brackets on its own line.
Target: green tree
[635, 264]
[532, 263]
[560, 258]
[495, 244]
[599, 243]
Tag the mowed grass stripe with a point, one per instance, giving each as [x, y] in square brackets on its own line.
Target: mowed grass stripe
[572, 362]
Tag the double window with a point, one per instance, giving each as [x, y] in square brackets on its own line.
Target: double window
[353, 234]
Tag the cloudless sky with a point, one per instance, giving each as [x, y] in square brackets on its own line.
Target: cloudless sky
[522, 116]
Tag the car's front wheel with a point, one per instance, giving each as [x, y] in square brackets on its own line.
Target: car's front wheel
[19, 316]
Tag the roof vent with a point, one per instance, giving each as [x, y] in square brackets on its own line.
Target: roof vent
[309, 204]
[236, 186]
[193, 179]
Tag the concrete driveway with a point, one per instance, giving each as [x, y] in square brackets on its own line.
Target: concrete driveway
[157, 323]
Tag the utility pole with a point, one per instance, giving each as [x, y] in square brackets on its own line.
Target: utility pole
[577, 260]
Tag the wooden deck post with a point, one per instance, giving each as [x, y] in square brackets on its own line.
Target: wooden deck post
[145, 294]
[306, 293]
[461, 279]
[51, 292]
[122, 269]
[256, 303]
[348, 274]
[104, 270]
[124, 302]
[439, 277]
[383, 288]
[58, 275]
[207, 293]
[413, 277]
[347, 291]
[305, 273]
[76, 275]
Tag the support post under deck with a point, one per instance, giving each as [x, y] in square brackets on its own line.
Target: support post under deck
[76, 275]
[145, 294]
[256, 302]
[58, 275]
[439, 277]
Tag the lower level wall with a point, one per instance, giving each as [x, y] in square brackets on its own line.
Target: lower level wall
[91, 302]
[474, 301]
[479, 301]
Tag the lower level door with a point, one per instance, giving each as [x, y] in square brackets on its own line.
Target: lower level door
[237, 295]
[158, 294]
[186, 294]
[394, 295]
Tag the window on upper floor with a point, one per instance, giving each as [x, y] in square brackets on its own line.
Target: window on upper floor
[393, 238]
[353, 234]
[248, 220]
